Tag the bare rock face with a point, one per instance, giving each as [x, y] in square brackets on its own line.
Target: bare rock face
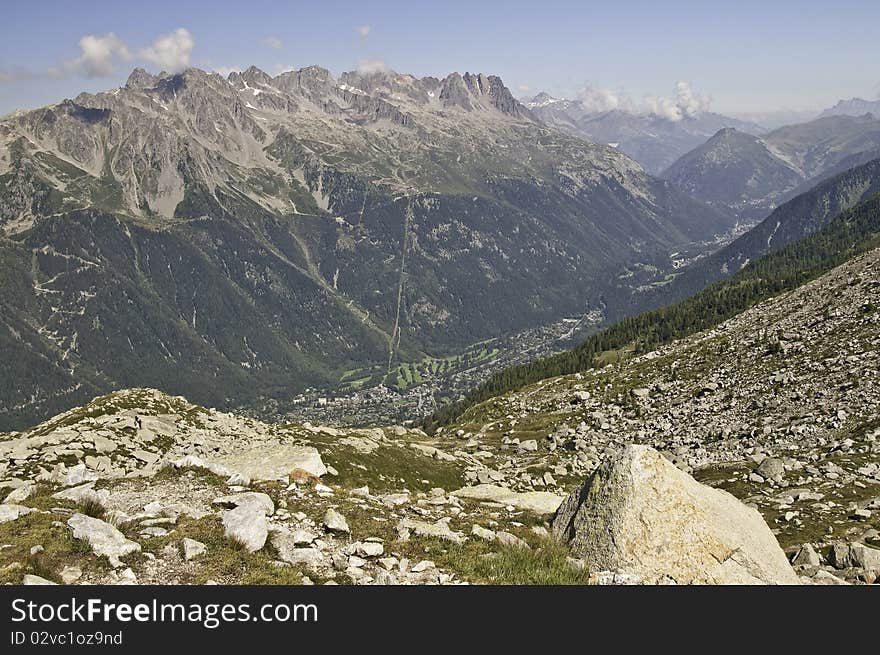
[640, 515]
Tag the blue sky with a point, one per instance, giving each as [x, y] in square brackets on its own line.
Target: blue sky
[735, 56]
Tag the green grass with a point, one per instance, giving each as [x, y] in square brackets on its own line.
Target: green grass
[481, 562]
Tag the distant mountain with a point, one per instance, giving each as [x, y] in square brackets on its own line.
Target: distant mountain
[653, 141]
[854, 107]
[734, 169]
[794, 220]
[754, 174]
[241, 238]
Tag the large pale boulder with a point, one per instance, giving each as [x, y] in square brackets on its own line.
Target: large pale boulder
[275, 462]
[537, 502]
[640, 515]
[247, 525]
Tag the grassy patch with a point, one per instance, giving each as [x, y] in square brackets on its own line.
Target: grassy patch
[60, 549]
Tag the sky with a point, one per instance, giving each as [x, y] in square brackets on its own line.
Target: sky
[730, 57]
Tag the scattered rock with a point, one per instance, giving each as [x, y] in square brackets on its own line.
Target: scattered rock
[192, 548]
[247, 525]
[335, 522]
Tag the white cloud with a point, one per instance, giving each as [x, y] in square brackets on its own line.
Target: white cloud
[99, 57]
[364, 30]
[685, 103]
[273, 42]
[170, 52]
[524, 88]
[595, 99]
[370, 66]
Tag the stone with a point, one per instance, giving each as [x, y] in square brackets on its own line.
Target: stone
[335, 522]
[538, 502]
[438, 530]
[36, 580]
[145, 456]
[84, 493]
[70, 574]
[422, 566]
[639, 514]
[192, 548]
[529, 446]
[11, 512]
[370, 549]
[258, 499]
[103, 538]
[274, 462]
[771, 468]
[641, 392]
[482, 533]
[511, 540]
[247, 525]
[24, 492]
[806, 556]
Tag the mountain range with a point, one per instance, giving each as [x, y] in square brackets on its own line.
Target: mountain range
[652, 140]
[752, 174]
[249, 236]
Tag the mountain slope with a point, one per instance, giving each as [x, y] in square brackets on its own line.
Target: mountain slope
[753, 175]
[789, 222]
[732, 169]
[852, 232]
[272, 233]
[853, 107]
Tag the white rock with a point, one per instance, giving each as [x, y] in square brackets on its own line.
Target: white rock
[192, 548]
[247, 525]
[538, 502]
[639, 514]
[103, 538]
[275, 462]
[24, 492]
[335, 522]
[11, 512]
[256, 498]
[36, 580]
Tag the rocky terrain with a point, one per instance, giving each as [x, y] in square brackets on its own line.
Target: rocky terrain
[278, 232]
[776, 407]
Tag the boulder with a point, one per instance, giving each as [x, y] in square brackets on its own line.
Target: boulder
[36, 580]
[11, 512]
[638, 514]
[438, 530]
[274, 462]
[192, 548]
[538, 502]
[247, 525]
[335, 522]
[102, 537]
